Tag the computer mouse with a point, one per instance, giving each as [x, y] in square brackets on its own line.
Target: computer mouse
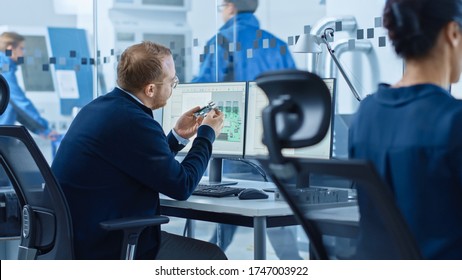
[250, 193]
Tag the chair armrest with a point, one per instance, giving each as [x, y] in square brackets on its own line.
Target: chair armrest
[126, 223]
[132, 228]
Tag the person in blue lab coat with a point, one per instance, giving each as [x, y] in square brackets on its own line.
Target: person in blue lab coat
[20, 108]
[115, 160]
[244, 52]
[412, 130]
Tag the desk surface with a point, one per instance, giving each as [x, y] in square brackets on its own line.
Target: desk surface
[251, 208]
[259, 214]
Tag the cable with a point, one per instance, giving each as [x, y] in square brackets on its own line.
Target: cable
[256, 166]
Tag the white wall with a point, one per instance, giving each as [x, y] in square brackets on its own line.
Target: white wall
[34, 13]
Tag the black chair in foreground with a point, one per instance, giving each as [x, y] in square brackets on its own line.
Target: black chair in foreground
[47, 231]
[298, 116]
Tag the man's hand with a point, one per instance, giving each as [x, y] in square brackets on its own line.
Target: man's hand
[187, 124]
[53, 135]
[215, 119]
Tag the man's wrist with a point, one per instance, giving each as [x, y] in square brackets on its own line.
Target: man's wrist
[180, 139]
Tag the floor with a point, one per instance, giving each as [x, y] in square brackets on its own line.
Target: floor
[241, 247]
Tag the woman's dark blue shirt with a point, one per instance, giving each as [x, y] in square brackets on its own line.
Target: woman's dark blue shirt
[413, 135]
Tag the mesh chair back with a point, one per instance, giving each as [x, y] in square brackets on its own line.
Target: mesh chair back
[348, 232]
[47, 227]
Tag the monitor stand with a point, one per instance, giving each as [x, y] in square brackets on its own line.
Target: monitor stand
[215, 172]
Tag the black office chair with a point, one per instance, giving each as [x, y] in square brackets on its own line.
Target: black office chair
[47, 231]
[298, 116]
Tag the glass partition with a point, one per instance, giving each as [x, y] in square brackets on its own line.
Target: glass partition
[72, 49]
[53, 77]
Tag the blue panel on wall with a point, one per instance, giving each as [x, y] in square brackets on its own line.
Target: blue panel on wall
[71, 44]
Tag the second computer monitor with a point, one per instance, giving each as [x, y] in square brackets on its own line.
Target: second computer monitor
[254, 147]
[228, 97]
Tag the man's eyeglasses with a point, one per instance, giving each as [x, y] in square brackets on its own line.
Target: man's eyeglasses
[221, 7]
[175, 81]
[173, 84]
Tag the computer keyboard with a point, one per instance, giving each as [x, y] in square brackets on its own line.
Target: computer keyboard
[216, 191]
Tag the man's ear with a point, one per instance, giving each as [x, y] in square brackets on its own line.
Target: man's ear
[453, 33]
[150, 90]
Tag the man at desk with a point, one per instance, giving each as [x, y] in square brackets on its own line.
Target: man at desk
[115, 160]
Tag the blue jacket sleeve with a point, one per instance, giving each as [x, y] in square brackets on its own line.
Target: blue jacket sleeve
[26, 112]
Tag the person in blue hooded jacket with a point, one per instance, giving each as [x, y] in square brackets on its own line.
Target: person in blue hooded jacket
[244, 49]
[20, 109]
[244, 52]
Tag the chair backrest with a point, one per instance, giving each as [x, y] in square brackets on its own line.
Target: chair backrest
[380, 235]
[46, 231]
[46, 221]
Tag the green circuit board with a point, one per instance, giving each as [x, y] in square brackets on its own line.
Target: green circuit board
[232, 131]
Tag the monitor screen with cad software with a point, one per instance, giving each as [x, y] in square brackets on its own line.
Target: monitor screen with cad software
[228, 97]
[254, 147]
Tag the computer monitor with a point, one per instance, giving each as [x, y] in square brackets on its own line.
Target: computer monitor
[230, 98]
[254, 147]
[36, 78]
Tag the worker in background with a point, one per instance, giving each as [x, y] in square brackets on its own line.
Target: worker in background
[20, 109]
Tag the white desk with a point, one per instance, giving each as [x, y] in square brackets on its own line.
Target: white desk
[259, 214]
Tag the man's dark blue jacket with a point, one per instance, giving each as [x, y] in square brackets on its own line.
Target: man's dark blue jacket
[113, 163]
